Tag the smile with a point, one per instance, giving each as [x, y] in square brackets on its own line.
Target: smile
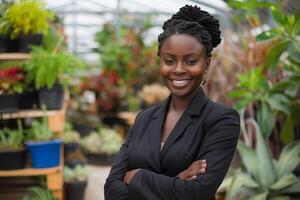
[179, 84]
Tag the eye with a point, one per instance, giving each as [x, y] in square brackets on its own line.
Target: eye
[169, 61]
[191, 61]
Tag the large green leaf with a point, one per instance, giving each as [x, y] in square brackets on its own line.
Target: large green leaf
[287, 134]
[284, 182]
[295, 188]
[266, 35]
[279, 16]
[249, 159]
[262, 196]
[294, 50]
[266, 119]
[288, 159]
[274, 54]
[267, 175]
[279, 102]
[240, 180]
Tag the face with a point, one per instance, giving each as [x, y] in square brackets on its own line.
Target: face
[183, 62]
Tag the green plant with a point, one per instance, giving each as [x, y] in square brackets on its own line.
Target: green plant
[105, 140]
[263, 177]
[11, 80]
[70, 135]
[11, 138]
[269, 91]
[47, 67]
[39, 131]
[39, 193]
[25, 17]
[79, 173]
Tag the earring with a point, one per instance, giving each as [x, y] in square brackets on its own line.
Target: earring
[204, 78]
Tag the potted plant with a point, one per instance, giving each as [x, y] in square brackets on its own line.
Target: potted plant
[38, 193]
[50, 71]
[24, 21]
[44, 150]
[12, 151]
[72, 152]
[264, 177]
[75, 182]
[10, 88]
[101, 146]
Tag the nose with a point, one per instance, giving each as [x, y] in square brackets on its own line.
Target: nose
[179, 68]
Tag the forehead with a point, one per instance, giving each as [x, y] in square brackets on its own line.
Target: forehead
[181, 44]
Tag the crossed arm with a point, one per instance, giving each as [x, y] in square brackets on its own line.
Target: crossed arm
[141, 184]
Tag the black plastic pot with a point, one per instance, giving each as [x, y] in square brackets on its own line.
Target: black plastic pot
[25, 41]
[71, 147]
[99, 159]
[75, 190]
[12, 45]
[9, 102]
[12, 159]
[53, 98]
[28, 100]
[3, 40]
[82, 129]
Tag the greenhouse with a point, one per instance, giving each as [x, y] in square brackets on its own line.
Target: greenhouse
[149, 100]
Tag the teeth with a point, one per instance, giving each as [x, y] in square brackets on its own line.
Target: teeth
[180, 83]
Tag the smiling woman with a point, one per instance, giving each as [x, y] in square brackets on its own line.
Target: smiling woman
[182, 148]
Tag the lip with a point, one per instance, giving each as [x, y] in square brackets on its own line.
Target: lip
[176, 83]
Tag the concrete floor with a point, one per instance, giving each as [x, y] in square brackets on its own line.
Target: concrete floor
[96, 179]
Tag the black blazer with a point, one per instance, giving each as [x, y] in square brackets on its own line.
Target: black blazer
[206, 130]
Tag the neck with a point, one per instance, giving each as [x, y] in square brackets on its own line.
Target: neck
[179, 104]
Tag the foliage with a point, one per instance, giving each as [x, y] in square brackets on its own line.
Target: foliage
[11, 138]
[47, 67]
[262, 176]
[11, 80]
[39, 193]
[79, 173]
[39, 131]
[70, 135]
[105, 140]
[25, 17]
[271, 88]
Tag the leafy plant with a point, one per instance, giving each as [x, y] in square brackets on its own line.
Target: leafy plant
[39, 193]
[263, 177]
[11, 138]
[25, 17]
[11, 80]
[105, 140]
[70, 135]
[79, 173]
[39, 131]
[47, 67]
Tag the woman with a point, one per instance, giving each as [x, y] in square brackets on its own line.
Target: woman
[181, 149]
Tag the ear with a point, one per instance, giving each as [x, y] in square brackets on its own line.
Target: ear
[207, 62]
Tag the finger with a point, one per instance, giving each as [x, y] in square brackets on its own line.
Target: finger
[191, 178]
[195, 172]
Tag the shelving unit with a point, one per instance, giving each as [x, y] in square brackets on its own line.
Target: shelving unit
[56, 119]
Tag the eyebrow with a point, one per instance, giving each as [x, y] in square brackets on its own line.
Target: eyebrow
[185, 55]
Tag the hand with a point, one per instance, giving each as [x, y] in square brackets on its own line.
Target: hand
[196, 168]
[129, 176]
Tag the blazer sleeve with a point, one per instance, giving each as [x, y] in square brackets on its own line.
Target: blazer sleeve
[114, 188]
[217, 148]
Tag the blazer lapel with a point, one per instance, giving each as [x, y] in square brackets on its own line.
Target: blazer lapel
[155, 129]
[193, 109]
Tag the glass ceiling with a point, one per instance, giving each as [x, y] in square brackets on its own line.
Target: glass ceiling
[83, 18]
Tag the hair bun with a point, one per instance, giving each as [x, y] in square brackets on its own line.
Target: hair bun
[207, 21]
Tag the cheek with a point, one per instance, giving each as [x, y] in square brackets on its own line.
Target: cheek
[164, 71]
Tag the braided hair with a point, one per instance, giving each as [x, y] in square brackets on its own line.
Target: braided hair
[193, 21]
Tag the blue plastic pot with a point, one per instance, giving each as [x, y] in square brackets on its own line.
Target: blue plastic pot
[44, 154]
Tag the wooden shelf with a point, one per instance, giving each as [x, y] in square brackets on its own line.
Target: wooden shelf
[29, 172]
[31, 113]
[128, 116]
[15, 56]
